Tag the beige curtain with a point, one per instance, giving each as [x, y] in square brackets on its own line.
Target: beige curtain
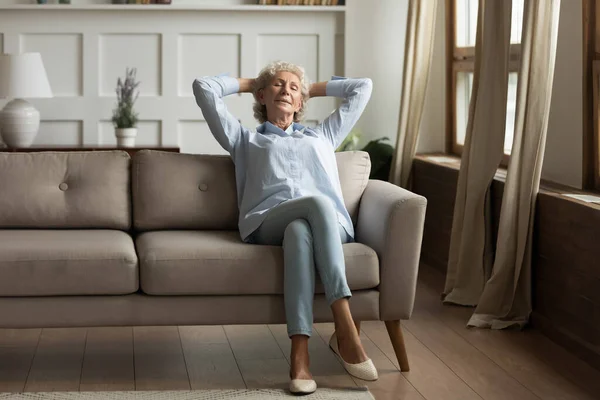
[506, 299]
[470, 258]
[417, 60]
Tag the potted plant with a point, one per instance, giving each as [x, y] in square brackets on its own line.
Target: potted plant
[350, 143]
[124, 116]
[381, 154]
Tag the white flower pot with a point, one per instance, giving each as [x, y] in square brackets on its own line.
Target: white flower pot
[126, 136]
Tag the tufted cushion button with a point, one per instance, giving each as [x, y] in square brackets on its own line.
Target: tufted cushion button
[63, 186]
[203, 187]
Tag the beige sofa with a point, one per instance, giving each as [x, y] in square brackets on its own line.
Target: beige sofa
[103, 239]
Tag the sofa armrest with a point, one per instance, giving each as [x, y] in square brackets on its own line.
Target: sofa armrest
[390, 221]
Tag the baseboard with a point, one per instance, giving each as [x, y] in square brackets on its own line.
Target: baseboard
[565, 339]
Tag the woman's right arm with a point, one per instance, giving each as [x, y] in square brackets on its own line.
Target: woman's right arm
[209, 93]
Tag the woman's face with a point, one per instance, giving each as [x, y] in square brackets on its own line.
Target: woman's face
[282, 96]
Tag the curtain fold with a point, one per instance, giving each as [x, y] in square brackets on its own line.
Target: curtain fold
[506, 299]
[417, 60]
[471, 256]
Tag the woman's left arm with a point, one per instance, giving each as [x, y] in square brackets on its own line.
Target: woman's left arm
[355, 93]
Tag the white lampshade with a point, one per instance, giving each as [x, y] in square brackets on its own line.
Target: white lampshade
[23, 76]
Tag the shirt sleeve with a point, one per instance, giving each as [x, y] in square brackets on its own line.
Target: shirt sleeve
[209, 93]
[355, 93]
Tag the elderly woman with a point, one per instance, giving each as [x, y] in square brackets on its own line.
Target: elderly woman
[289, 195]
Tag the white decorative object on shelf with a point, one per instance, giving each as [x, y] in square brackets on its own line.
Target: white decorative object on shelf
[126, 136]
[125, 117]
[21, 76]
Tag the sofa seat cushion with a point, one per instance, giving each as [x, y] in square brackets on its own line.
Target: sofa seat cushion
[219, 263]
[67, 262]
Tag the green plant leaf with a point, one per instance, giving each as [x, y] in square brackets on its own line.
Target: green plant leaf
[124, 115]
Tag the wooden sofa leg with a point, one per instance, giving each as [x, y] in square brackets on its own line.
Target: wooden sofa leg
[395, 331]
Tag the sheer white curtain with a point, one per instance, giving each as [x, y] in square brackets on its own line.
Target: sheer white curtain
[470, 258]
[500, 285]
[506, 299]
[418, 51]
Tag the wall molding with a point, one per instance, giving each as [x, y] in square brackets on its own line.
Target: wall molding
[87, 48]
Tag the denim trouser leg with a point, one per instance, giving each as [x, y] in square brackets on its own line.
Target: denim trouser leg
[311, 236]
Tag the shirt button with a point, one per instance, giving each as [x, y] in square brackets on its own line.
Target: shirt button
[63, 186]
[203, 187]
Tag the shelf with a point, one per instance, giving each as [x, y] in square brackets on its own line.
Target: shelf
[173, 7]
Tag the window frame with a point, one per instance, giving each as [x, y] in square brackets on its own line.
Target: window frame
[462, 59]
[591, 102]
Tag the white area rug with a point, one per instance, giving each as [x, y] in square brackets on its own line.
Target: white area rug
[248, 394]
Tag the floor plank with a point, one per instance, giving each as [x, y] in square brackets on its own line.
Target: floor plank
[58, 360]
[209, 358]
[391, 383]
[477, 370]
[265, 373]
[562, 362]
[108, 360]
[17, 349]
[541, 371]
[159, 362]
[250, 342]
[261, 361]
[428, 374]
[325, 368]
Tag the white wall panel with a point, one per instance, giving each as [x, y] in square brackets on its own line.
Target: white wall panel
[62, 55]
[59, 133]
[374, 45]
[85, 50]
[206, 54]
[195, 138]
[299, 49]
[339, 55]
[311, 122]
[121, 51]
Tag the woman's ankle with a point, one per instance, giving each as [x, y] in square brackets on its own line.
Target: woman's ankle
[299, 358]
[352, 350]
[299, 369]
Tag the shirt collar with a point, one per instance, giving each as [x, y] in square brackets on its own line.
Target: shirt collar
[268, 127]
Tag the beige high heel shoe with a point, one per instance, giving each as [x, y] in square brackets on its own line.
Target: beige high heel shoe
[365, 370]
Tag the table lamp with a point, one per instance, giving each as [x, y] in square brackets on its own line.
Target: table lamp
[21, 76]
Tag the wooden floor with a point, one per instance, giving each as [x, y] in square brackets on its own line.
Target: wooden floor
[448, 361]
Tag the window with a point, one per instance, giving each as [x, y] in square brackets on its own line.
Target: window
[461, 35]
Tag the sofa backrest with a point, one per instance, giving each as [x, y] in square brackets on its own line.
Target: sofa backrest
[195, 191]
[65, 190]
[183, 191]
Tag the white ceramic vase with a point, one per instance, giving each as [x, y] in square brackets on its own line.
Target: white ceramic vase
[126, 136]
[19, 123]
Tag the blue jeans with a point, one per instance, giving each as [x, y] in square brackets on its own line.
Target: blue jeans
[309, 231]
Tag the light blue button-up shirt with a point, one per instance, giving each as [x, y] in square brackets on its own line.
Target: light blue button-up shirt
[273, 165]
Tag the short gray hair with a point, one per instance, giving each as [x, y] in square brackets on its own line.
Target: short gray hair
[264, 78]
